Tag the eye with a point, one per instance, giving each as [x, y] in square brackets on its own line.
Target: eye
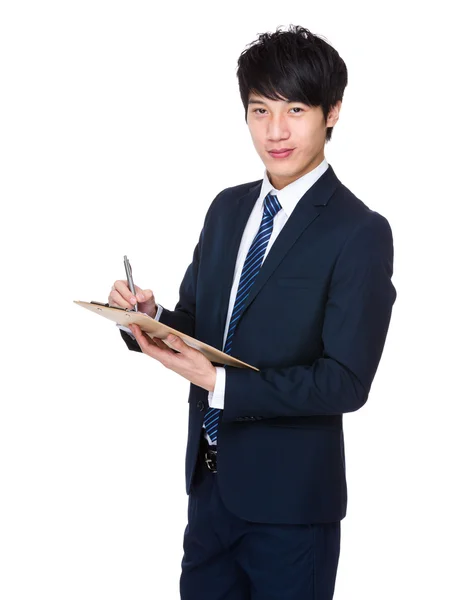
[297, 108]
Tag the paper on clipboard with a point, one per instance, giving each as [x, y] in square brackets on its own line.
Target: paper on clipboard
[157, 329]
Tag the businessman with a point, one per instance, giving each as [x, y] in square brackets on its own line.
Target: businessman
[291, 274]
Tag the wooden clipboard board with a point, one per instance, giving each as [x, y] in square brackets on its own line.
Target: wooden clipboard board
[156, 329]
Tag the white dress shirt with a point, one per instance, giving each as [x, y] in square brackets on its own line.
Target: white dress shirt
[288, 197]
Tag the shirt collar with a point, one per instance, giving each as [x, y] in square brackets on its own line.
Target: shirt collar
[290, 195]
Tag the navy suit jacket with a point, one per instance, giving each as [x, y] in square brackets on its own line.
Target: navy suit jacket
[314, 323]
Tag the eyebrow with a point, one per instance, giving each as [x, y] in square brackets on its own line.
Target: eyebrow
[263, 102]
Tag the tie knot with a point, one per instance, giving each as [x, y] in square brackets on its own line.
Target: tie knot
[271, 205]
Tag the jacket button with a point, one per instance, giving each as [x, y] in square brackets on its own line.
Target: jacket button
[200, 405]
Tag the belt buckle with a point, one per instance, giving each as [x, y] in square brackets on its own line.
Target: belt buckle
[211, 462]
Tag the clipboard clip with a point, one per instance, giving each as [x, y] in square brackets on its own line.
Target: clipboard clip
[107, 305]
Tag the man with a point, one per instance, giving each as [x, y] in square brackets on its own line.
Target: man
[291, 274]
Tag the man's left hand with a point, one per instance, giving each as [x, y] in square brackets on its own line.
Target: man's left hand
[188, 362]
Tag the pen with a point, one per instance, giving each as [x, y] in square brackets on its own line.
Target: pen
[128, 271]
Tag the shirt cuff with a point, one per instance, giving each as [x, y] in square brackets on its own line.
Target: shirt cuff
[158, 314]
[127, 330]
[216, 398]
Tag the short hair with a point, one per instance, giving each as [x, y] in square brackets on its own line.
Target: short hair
[293, 65]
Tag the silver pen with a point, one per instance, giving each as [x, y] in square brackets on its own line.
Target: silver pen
[128, 272]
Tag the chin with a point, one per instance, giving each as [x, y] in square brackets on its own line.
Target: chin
[284, 172]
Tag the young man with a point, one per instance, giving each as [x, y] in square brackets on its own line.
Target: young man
[291, 274]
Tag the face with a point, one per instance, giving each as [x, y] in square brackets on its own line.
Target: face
[278, 125]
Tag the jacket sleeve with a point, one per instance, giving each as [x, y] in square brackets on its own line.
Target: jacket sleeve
[356, 321]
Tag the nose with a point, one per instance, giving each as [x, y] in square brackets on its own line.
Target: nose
[277, 128]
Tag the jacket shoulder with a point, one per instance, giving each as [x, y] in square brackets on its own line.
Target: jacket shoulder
[232, 192]
[236, 191]
[355, 212]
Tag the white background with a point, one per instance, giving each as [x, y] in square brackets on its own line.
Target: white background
[120, 122]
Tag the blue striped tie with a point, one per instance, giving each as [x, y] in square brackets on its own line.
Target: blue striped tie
[250, 270]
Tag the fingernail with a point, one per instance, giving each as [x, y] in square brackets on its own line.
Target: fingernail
[133, 300]
[141, 297]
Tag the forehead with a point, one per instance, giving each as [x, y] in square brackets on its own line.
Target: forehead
[258, 99]
[255, 97]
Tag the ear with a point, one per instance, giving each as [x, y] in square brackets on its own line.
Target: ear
[333, 115]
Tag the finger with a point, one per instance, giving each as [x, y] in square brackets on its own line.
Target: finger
[143, 295]
[177, 343]
[123, 289]
[141, 338]
[155, 340]
[115, 299]
[159, 343]
[139, 294]
[136, 329]
[148, 346]
[151, 338]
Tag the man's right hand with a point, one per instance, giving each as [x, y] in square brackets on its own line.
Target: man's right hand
[121, 296]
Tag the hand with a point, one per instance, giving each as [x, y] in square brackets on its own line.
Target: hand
[121, 296]
[187, 362]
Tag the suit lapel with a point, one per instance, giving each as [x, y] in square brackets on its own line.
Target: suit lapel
[233, 225]
[304, 214]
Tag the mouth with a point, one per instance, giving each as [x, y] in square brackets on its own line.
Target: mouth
[283, 153]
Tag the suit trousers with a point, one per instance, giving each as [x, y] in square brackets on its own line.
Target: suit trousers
[228, 558]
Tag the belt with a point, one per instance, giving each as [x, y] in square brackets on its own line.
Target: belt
[209, 455]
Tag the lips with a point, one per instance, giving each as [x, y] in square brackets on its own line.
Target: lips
[283, 153]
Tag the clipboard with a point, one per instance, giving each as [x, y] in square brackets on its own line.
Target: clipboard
[153, 328]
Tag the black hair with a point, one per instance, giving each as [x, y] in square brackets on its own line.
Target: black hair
[293, 65]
